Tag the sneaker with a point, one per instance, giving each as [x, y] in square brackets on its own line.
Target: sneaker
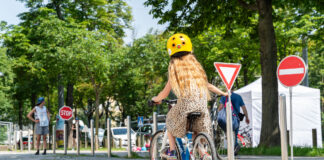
[164, 153]
[237, 149]
[37, 153]
[172, 155]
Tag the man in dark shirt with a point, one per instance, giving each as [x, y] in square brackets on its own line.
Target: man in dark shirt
[237, 103]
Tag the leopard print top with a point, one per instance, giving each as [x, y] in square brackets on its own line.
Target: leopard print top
[176, 121]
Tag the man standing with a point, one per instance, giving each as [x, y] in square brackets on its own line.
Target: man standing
[42, 117]
[237, 103]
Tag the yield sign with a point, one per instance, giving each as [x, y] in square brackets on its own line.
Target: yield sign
[228, 72]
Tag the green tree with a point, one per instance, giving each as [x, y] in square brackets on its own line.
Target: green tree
[195, 16]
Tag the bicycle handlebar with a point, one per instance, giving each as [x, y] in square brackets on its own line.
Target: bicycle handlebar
[169, 102]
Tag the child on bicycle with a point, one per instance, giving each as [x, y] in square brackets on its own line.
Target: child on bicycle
[188, 81]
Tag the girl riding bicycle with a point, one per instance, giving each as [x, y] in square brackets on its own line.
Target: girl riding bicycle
[188, 81]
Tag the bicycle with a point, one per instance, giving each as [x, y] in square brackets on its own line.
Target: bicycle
[244, 138]
[202, 147]
[218, 133]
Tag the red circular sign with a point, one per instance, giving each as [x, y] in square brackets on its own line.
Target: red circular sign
[291, 71]
[66, 113]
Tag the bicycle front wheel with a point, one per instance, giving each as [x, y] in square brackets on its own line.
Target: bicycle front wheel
[159, 144]
[203, 147]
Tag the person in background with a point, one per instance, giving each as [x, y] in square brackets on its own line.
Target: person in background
[237, 103]
[42, 117]
[74, 132]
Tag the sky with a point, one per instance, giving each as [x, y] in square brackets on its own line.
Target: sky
[142, 20]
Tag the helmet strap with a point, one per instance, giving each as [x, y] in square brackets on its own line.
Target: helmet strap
[180, 54]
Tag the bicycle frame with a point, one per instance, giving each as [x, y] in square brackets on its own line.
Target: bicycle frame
[184, 152]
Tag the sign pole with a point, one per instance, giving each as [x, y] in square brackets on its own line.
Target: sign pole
[65, 143]
[229, 128]
[291, 125]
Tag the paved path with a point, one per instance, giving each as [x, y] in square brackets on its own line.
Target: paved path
[101, 155]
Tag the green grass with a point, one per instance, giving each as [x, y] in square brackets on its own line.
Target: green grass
[276, 151]
[89, 149]
[134, 156]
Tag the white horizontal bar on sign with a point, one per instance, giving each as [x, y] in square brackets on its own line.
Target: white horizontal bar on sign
[291, 71]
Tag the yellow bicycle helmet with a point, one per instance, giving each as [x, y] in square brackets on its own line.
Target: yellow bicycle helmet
[179, 43]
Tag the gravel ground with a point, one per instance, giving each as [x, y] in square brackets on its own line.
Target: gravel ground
[100, 155]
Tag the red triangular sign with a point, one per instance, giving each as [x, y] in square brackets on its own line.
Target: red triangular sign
[228, 72]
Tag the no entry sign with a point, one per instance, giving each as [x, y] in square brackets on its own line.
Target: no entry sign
[291, 71]
[66, 113]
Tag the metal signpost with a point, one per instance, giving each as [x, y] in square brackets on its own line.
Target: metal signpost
[291, 72]
[228, 72]
[65, 113]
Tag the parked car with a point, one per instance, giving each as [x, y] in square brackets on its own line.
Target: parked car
[121, 133]
[100, 135]
[25, 141]
[147, 129]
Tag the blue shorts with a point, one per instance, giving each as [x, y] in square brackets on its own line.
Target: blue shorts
[41, 130]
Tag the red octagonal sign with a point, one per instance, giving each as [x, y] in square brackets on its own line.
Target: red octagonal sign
[291, 71]
[66, 113]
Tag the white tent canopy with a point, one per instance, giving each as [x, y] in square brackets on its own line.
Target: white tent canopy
[306, 112]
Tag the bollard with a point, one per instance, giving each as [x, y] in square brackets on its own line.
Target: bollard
[29, 147]
[77, 138]
[54, 140]
[21, 141]
[86, 139]
[314, 137]
[129, 137]
[283, 126]
[108, 138]
[65, 138]
[120, 143]
[92, 138]
[10, 132]
[15, 137]
[154, 122]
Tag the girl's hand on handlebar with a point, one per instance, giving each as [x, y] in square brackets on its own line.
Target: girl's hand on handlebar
[156, 101]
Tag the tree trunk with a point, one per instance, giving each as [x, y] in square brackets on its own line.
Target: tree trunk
[20, 107]
[69, 102]
[97, 117]
[270, 121]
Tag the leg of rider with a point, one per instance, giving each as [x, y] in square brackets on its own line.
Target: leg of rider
[171, 141]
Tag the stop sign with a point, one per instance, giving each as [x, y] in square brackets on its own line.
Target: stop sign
[291, 71]
[66, 113]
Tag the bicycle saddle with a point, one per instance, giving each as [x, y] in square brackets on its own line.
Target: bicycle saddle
[194, 115]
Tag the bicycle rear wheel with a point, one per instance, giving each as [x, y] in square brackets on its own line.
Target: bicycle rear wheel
[203, 147]
[220, 139]
[156, 146]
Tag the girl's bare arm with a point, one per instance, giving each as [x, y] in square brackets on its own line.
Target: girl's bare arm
[163, 94]
[216, 90]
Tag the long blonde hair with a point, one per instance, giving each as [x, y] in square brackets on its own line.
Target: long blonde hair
[185, 72]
